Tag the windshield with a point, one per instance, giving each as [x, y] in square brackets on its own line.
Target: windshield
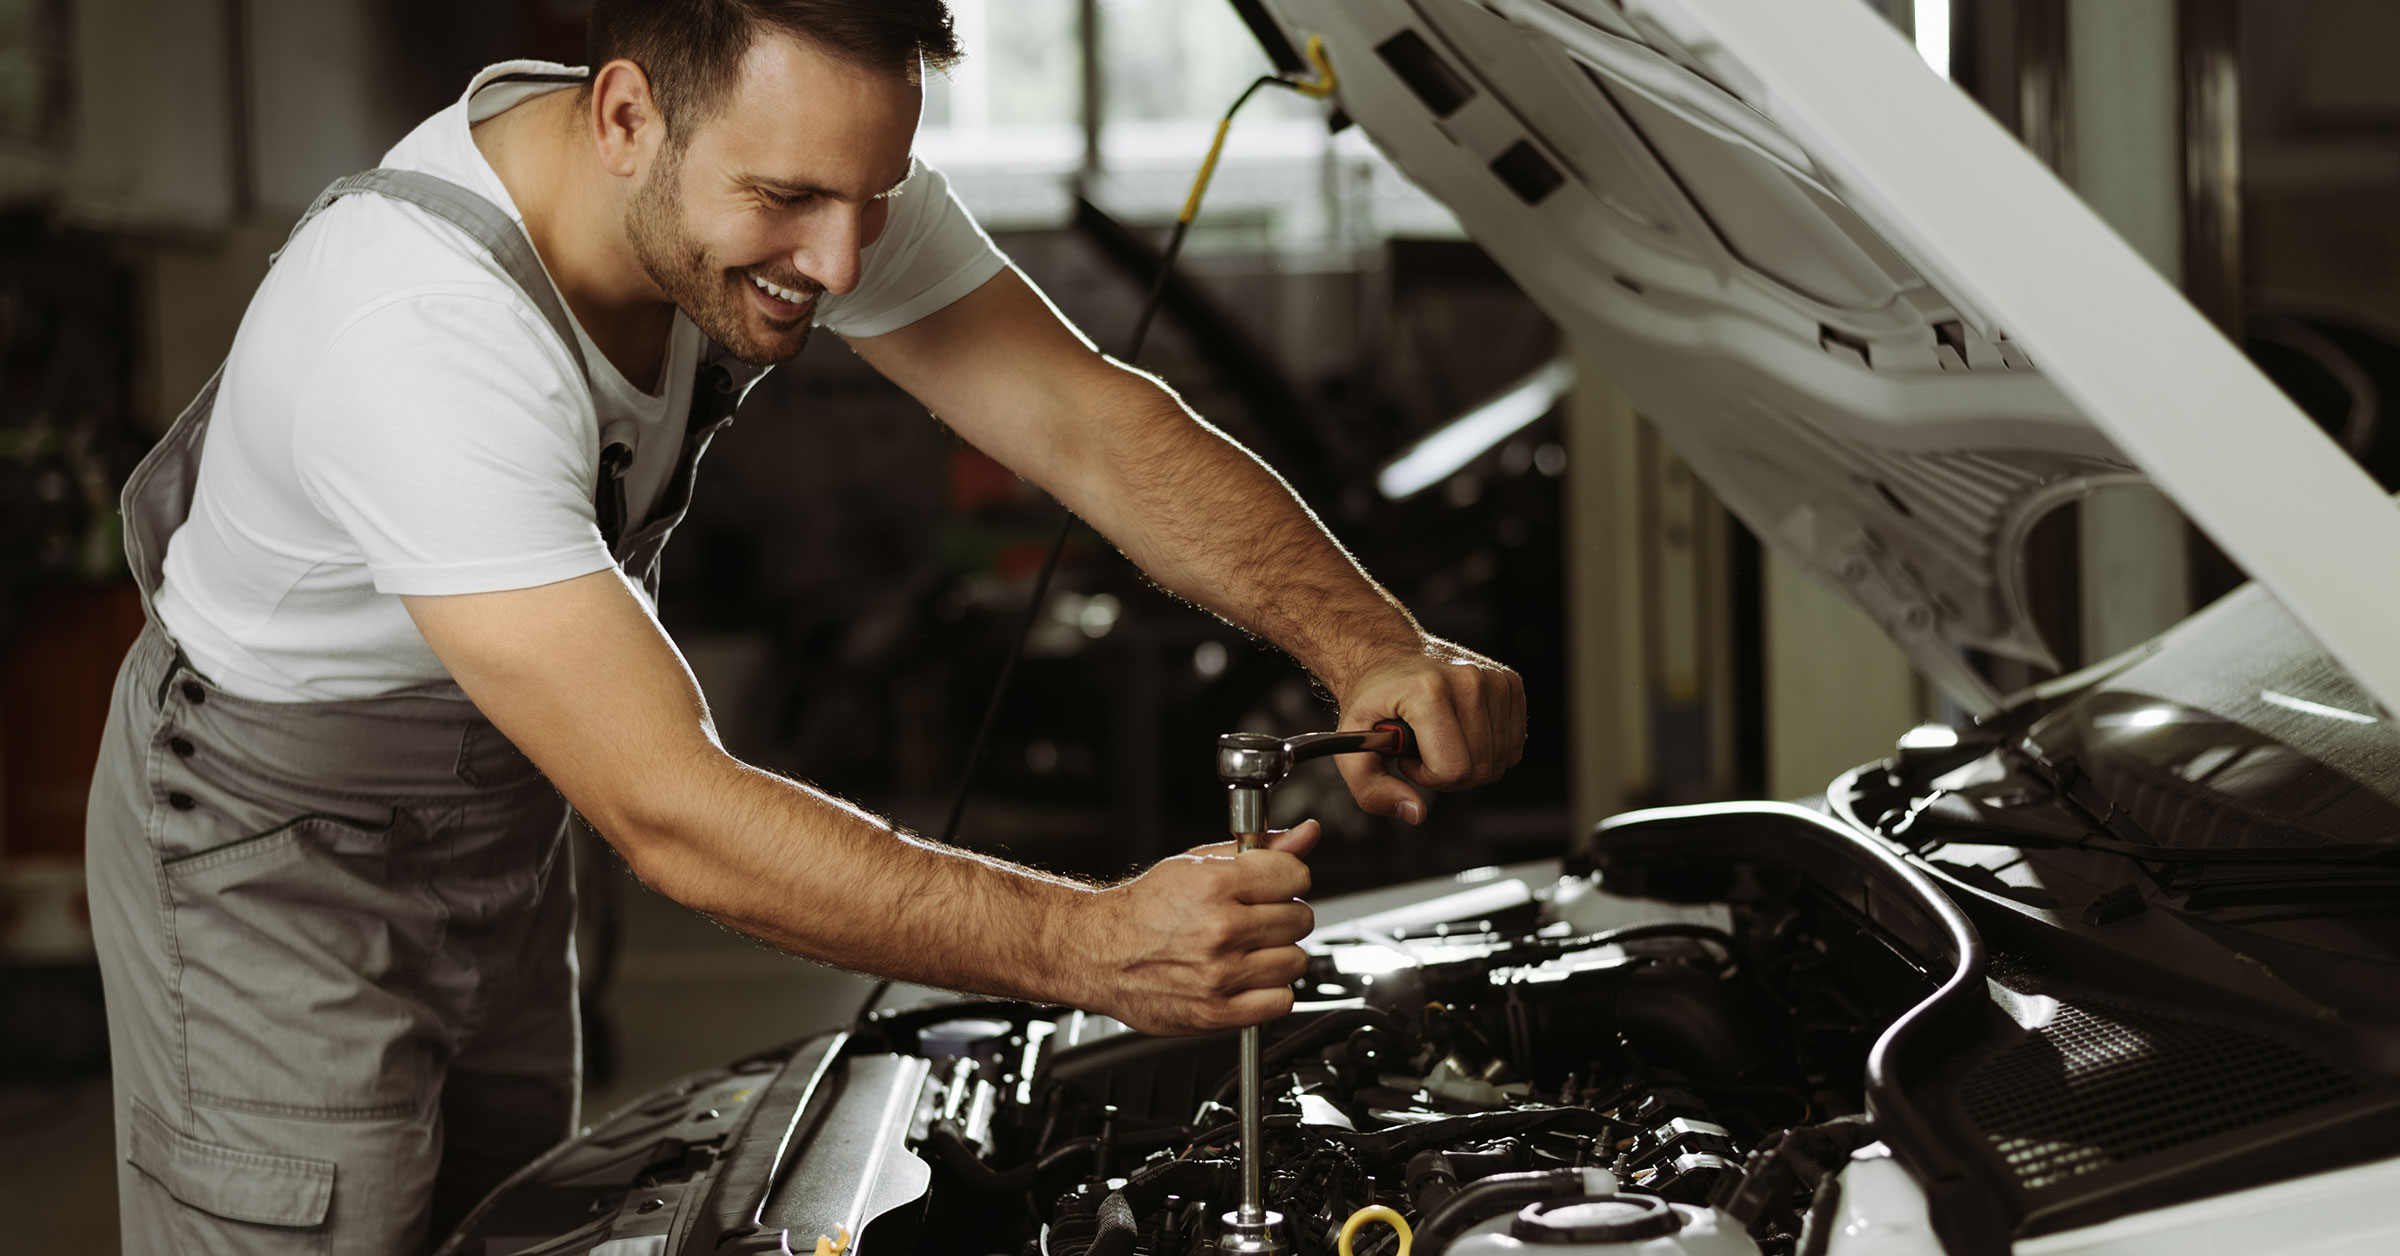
[2235, 732]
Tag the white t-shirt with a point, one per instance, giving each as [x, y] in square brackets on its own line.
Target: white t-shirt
[396, 418]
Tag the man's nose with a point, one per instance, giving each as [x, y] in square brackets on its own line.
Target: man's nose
[829, 247]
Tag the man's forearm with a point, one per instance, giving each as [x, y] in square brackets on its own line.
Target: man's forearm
[808, 873]
[580, 677]
[1209, 522]
[1214, 525]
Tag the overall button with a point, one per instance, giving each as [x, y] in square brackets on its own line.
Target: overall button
[181, 801]
[182, 747]
[193, 693]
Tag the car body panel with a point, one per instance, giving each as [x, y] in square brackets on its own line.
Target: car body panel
[2346, 1212]
[1886, 335]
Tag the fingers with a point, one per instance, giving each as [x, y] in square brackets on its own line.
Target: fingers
[1275, 968]
[1207, 940]
[1274, 873]
[1268, 876]
[1511, 732]
[1468, 713]
[1379, 793]
[1259, 990]
[1442, 715]
[1271, 925]
[1256, 1007]
[1297, 840]
[1504, 722]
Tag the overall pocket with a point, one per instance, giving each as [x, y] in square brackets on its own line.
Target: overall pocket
[279, 1202]
[304, 964]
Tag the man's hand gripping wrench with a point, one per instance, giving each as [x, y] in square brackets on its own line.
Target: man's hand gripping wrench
[1250, 764]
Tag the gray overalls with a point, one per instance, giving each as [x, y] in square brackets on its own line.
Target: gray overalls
[334, 936]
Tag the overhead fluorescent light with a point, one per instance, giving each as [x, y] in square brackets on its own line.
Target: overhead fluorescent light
[1470, 436]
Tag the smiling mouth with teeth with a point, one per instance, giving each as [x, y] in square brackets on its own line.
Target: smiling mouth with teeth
[781, 293]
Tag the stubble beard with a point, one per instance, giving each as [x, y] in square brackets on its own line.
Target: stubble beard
[708, 294]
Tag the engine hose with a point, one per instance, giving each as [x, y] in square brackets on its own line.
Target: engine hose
[982, 1178]
[1408, 1140]
[1644, 933]
[1481, 1200]
[1317, 1033]
[1147, 1190]
[1431, 1179]
[1117, 1230]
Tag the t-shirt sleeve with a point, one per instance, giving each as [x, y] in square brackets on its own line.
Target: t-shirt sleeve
[455, 442]
[930, 254]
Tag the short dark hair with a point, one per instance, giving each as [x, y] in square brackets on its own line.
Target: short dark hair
[692, 49]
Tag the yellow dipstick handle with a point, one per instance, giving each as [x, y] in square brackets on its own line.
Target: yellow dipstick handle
[835, 1247]
[1376, 1212]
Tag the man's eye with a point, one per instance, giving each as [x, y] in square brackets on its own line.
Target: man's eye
[788, 201]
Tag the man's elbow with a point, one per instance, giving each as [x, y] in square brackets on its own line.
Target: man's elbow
[656, 826]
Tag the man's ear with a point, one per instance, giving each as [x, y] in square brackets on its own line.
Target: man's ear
[626, 125]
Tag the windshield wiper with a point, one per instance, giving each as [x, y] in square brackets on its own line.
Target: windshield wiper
[1924, 829]
[2117, 832]
[2327, 878]
[2204, 892]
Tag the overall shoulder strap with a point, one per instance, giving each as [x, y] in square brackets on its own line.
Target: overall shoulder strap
[475, 214]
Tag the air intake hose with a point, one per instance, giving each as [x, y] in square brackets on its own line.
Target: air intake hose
[1499, 1193]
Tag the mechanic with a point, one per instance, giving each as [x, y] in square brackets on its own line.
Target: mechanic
[400, 561]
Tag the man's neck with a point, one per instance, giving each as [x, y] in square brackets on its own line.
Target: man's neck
[575, 217]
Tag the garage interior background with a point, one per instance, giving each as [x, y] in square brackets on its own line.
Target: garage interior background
[848, 585]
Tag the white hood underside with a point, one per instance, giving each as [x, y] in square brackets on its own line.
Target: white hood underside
[1887, 337]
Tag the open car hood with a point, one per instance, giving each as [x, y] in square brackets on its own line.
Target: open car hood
[1886, 335]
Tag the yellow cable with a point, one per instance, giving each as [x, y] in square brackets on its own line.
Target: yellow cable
[1318, 88]
[1323, 84]
[827, 1246]
[1208, 168]
[1376, 1212]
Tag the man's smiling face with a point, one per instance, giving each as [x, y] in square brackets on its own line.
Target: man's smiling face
[744, 222]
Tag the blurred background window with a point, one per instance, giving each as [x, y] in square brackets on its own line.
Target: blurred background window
[1019, 137]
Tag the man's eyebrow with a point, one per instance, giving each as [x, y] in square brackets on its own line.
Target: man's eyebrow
[788, 187]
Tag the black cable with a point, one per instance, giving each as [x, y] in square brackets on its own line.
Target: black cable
[952, 1148]
[1317, 1033]
[1066, 523]
[1643, 933]
[1490, 1197]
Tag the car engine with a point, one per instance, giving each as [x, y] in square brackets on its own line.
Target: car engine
[1456, 1074]
[1531, 1074]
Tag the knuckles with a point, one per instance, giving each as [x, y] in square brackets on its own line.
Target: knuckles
[1274, 874]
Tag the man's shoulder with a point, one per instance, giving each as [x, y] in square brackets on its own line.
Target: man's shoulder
[367, 244]
[371, 267]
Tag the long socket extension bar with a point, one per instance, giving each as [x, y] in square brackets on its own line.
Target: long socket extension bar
[1250, 764]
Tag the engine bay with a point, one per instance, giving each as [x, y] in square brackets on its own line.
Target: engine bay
[1616, 1069]
[1456, 1074]
[1669, 1045]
